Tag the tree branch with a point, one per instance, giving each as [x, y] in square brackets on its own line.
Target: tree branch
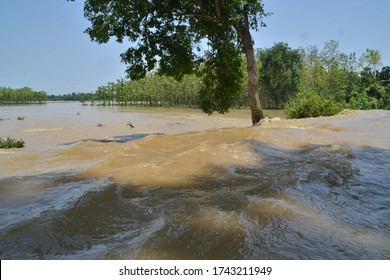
[219, 8]
[243, 28]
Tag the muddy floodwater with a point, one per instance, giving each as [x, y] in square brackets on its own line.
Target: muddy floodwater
[182, 185]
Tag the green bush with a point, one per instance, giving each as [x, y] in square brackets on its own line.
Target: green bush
[384, 101]
[11, 143]
[309, 104]
[361, 101]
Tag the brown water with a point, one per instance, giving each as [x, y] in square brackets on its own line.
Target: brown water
[181, 185]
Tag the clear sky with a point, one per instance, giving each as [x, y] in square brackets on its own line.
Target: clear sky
[42, 44]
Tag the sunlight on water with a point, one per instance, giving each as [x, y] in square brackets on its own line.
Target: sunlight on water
[181, 185]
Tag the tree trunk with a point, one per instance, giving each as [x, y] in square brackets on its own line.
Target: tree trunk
[253, 86]
[253, 82]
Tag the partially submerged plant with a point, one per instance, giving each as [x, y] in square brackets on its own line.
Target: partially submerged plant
[11, 143]
[21, 118]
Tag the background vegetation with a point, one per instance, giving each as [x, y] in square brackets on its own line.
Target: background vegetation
[74, 96]
[311, 82]
[305, 82]
[24, 95]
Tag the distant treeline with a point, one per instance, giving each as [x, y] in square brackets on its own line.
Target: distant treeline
[9, 96]
[74, 96]
[154, 90]
[157, 91]
[27, 95]
[286, 75]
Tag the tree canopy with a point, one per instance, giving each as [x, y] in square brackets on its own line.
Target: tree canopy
[280, 70]
[168, 36]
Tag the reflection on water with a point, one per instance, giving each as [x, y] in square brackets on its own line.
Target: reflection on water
[309, 189]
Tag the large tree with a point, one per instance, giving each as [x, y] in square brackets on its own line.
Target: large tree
[168, 35]
[280, 73]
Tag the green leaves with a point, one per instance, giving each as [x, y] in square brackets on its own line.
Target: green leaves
[160, 39]
[222, 76]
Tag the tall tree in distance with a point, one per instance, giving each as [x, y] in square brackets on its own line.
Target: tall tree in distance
[280, 74]
[167, 35]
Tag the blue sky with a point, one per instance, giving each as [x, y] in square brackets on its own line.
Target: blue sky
[42, 44]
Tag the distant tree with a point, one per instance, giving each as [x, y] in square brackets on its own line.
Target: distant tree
[349, 64]
[169, 34]
[330, 73]
[384, 100]
[330, 55]
[371, 59]
[280, 69]
[384, 75]
[314, 75]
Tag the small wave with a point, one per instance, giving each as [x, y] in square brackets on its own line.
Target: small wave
[28, 198]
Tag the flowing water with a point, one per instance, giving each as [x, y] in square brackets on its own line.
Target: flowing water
[182, 185]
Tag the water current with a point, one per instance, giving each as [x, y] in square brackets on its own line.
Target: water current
[182, 185]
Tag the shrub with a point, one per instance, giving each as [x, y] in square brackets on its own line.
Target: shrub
[361, 101]
[20, 118]
[309, 104]
[11, 143]
[384, 101]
